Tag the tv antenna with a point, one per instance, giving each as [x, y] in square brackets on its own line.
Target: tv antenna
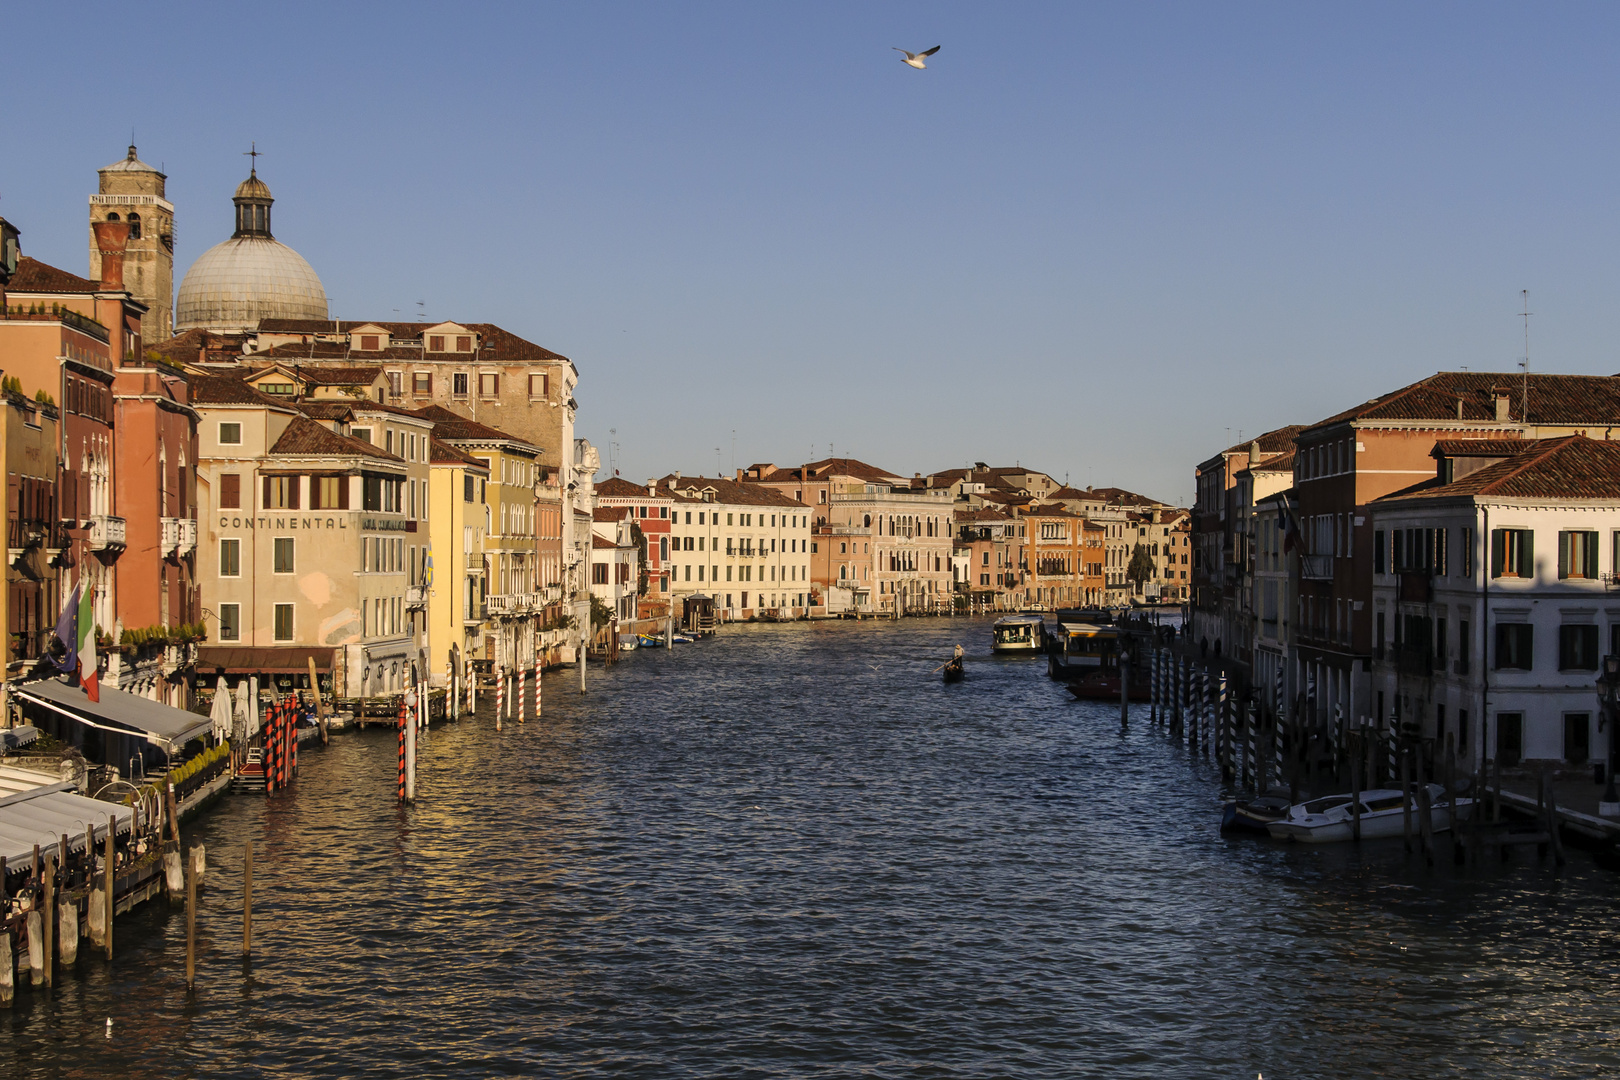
[1524, 394]
[421, 311]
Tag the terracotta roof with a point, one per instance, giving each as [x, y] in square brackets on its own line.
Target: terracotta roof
[1120, 497]
[325, 410]
[616, 487]
[610, 513]
[603, 542]
[1044, 510]
[508, 347]
[1006, 498]
[1074, 493]
[452, 426]
[1480, 447]
[332, 353]
[305, 437]
[1277, 441]
[441, 453]
[846, 466]
[985, 514]
[33, 276]
[1554, 399]
[335, 374]
[228, 390]
[748, 493]
[1572, 467]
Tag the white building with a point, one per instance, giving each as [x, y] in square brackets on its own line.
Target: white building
[1492, 607]
[745, 545]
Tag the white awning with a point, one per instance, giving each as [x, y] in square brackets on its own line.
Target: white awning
[162, 724]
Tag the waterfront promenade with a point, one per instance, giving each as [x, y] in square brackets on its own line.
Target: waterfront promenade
[792, 851]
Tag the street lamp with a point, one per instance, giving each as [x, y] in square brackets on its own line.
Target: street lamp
[1609, 697]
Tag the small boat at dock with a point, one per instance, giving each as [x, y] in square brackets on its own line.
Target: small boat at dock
[1253, 815]
[1330, 819]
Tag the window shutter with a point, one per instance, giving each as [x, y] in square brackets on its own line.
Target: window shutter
[294, 483]
[266, 503]
[1498, 550]
[343, 493]
[1527, 555]
[1564, 544]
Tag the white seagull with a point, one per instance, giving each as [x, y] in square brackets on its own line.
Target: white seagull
[915, 59]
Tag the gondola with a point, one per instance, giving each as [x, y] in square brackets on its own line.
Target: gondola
[954, 671]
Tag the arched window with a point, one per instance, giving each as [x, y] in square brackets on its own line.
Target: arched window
[112, 217]
[134, 226]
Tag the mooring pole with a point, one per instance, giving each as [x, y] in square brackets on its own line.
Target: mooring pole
[247, 898]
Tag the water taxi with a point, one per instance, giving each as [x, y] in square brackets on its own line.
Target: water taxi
[1085, 655]
[1018, 633]
[1383, 814]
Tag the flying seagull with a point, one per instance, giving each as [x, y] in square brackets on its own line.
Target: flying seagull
[915, 59]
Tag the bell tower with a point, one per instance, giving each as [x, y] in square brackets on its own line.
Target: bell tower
[132, 191]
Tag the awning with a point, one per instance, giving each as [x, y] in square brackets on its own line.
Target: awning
[161, 724]
[40, 814]
[262, 660]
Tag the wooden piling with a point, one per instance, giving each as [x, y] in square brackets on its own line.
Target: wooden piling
[1496, 788]
[191, 922]
[1554, 836]
[174, 810]
[1426, 821]
[1406, 798]
[8, 966]
[247, 898]
[1355, 798]
[47, 905]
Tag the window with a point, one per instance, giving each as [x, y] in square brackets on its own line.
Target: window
[328, 493]
[1380, 553]
[134, 226]
[1577, 737]
[230, 434]
[1512, 553]
[539, 385]
[1514, 646]
[230, 622]
[599, 573]
[281, 492]
[369, 342]
[467, 489]
[1467, 553]
[489, 384]
[230, 491]
[1577, 648]
[436, 343]
[463, 343]
[422, 382]
[230, 558]
[663, 549]
[458, 384]
[361, 433]
[284, 622]
[1578, 554]
[280, 389]
[284, 555]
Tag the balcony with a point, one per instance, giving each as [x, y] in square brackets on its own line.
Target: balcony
[415, 596]
[504, 603]
[475, 563]
[106, 533]
[1316, 567]
[179, 536]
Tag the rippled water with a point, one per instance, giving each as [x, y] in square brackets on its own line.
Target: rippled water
[792, 851]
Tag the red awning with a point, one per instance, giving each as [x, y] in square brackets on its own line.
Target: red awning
[262, 660]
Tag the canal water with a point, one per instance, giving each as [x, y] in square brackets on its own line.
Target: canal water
[791, 851]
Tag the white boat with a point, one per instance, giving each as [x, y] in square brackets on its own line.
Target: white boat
[1328, 820]
[1018, 633]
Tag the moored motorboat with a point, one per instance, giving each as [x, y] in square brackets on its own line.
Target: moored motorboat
[649, 641]
[1018, 633]
[1253, 815]
[1331, 819]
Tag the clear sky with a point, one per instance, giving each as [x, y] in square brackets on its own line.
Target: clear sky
[1099, 240]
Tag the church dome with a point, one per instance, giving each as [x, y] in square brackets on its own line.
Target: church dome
[235, 284]
[250, 277]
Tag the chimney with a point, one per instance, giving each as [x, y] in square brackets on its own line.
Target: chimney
[1254, 453]
[677, 474]
[111, 239]
[652, 487]
[739, 476]
[1502, 416]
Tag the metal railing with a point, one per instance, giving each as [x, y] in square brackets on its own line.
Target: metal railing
[1316, 567]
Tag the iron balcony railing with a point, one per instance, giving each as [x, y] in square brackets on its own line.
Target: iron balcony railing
[1316, 567]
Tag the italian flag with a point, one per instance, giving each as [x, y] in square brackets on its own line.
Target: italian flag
[88, 676]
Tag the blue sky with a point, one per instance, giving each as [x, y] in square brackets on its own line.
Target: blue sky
[1100, 240]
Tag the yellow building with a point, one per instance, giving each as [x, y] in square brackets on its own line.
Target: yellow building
[457, 490]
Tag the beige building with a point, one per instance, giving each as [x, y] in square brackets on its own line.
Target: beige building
[308, 531]
[457, 489]
[746, 545]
